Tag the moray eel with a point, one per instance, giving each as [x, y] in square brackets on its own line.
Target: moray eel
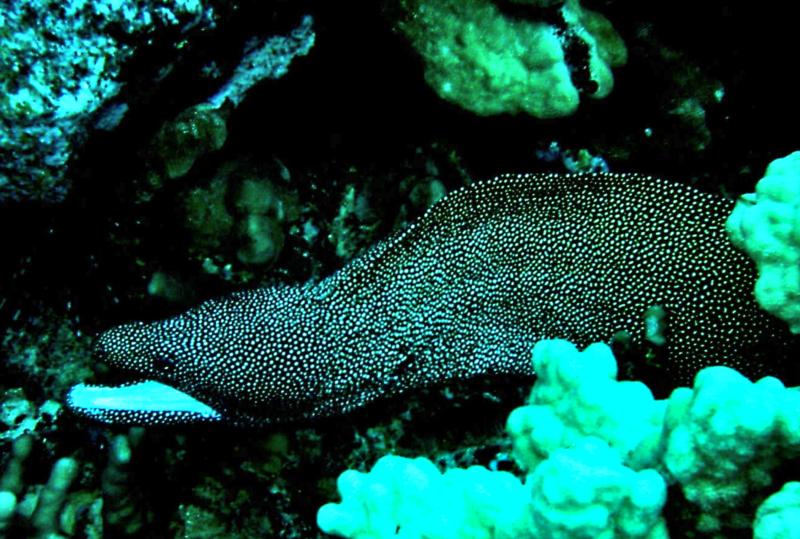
[465, 291]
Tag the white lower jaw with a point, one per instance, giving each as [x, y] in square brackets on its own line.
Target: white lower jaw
[147, 402]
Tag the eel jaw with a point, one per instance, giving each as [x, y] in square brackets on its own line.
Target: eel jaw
[143, 403]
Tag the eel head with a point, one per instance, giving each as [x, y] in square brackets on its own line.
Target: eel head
[161, 356]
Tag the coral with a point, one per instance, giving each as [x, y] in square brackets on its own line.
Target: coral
[413, 496]
[195, 132]
[11, 480]
[60, 64]
[422, 189]
[599, 454]
[49, 351]
[200, 523]
[206, 216]
[19, 415]
[577, 395]
[45, 518]
[425, 194]
[262, 209]
[169, 288]
[67, 505]
[8, 503]
[355, 224]
[766, 224]
[269, 59]
[724, 439]
[201, 129]
[123, 512]
[579, 492]
[222, 500]
[584, 492]
[246, 207]
[41, 508]
[719, 440]
[779, 516]
[490, 62]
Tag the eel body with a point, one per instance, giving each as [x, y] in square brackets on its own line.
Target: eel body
[465, 291]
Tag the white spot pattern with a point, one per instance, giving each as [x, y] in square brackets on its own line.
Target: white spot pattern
[465, 291]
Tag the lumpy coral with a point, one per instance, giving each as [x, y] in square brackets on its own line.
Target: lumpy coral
[598, 455]
[779, 516]
[537, 59]
[766, 224]
[194, 132]
[248, 208]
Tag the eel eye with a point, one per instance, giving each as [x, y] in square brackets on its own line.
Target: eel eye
[164, 364]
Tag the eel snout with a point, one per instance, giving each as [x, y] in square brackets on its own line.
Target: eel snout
[138, 347]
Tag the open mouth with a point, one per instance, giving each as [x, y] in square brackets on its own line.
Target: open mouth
[145, 402]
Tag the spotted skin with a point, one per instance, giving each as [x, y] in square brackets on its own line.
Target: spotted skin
[466, 291]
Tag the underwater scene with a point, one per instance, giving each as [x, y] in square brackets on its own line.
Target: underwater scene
[418, 269]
